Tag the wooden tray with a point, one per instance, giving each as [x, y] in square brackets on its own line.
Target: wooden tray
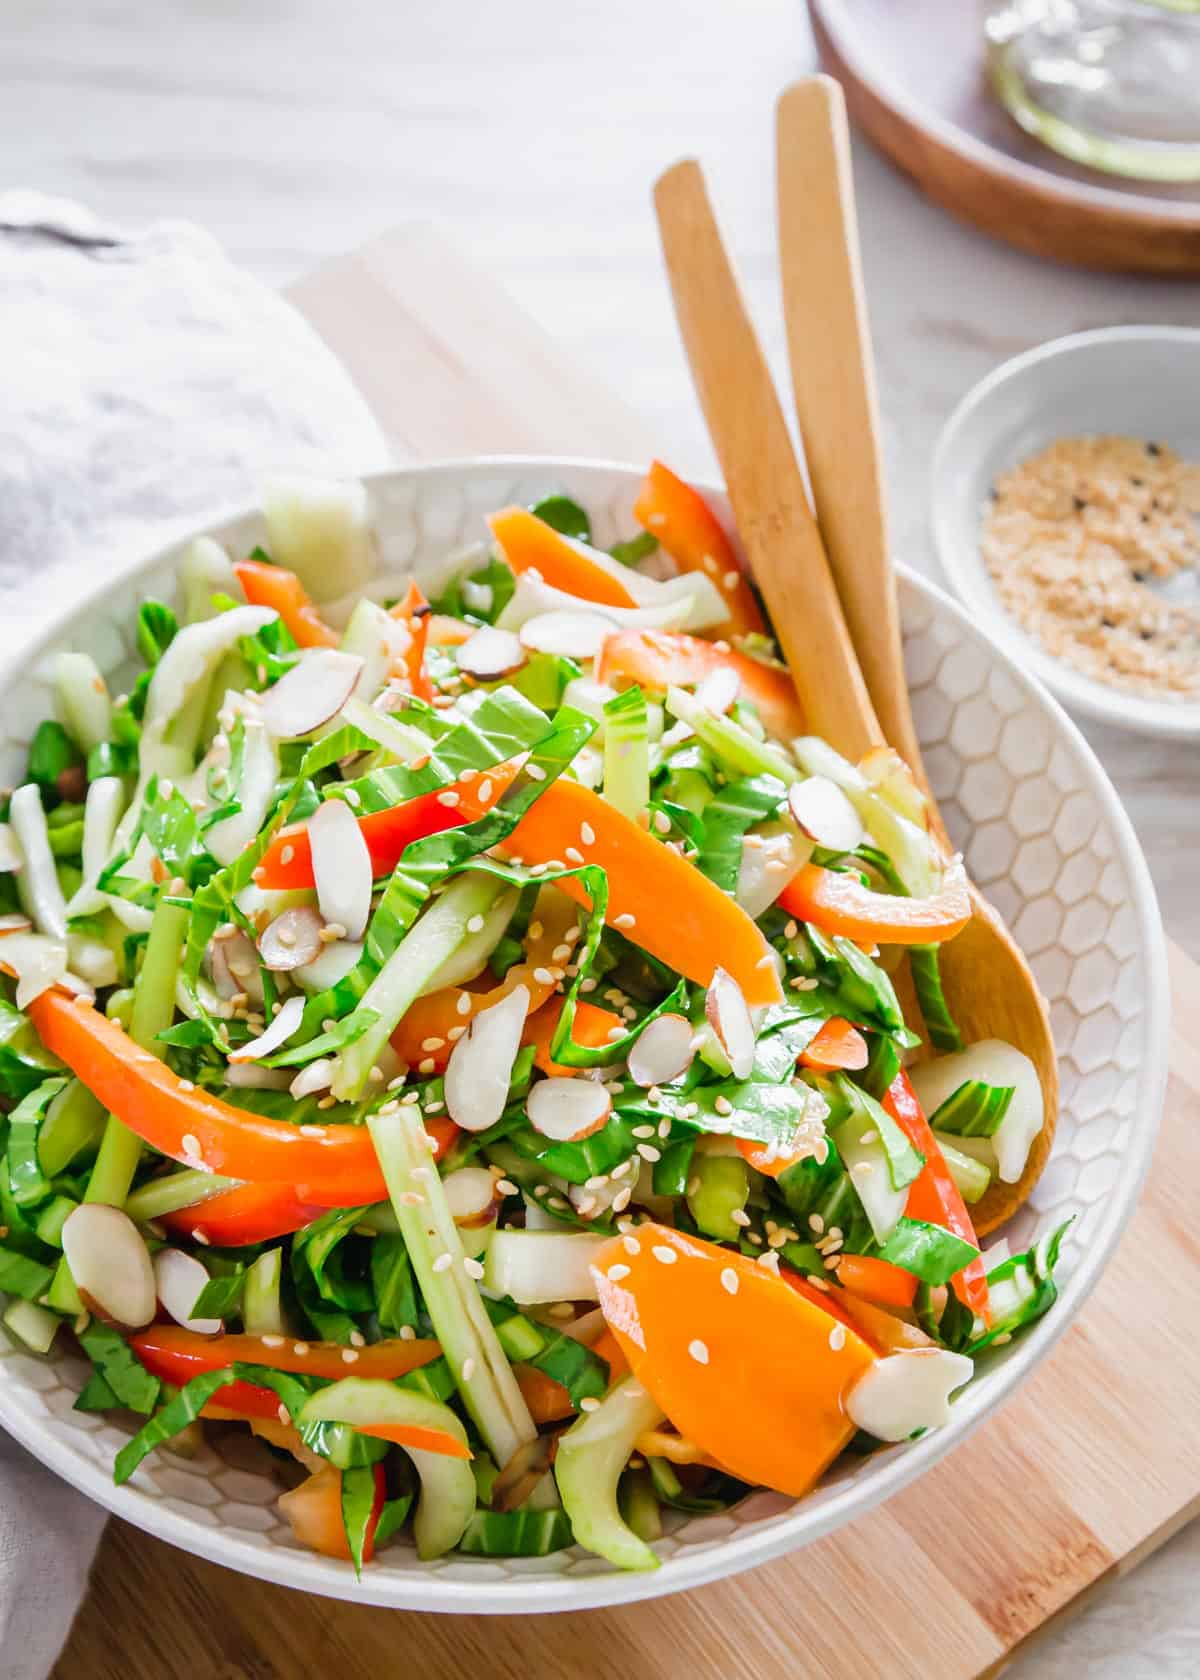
[928, 108]
[1093, 1464]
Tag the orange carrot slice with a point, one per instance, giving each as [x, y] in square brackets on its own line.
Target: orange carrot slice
[656, 897]
[703, 1332]
[695, 539]
[837, 1045]
[273, 586]
[591, 1026]
[877, 1280]
[529, 544]
[548, 1401]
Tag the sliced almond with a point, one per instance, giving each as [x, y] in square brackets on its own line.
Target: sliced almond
[481, 1063]
[566, 1110]
[233, 965]
[662, 1052]
[491, 653]
[291, 940]
[729, 1017]
[110, 1266]
[824, 815]
[313, 691]
[248, 1076]
[179, 1278]
[317, 1076]
[276, 1036]
[578, 635]
[719, 689]
[471, 1196]
[341, 867]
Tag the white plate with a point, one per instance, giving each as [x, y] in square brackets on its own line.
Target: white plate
[1139, 382]
[1046, 837]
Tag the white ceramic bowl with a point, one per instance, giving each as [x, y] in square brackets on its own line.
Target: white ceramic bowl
[1044, 835]
[1131, 381]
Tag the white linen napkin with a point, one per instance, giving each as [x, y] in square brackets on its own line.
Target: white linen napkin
[146, 383]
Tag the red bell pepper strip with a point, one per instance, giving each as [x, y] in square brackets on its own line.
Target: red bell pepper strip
[693, 536]
[934, 1196]
[287, 862]
[249, 1213]
[329, 1166]
[274, 586]
[837, 1045]
[837, 902]
[177, 1355]
[414, 610]
[659, 659]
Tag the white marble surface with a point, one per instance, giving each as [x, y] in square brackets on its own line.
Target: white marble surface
[532, 130]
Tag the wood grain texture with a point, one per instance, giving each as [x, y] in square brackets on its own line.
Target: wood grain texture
[759, 466]
[1088, 1468]
[1039, 212]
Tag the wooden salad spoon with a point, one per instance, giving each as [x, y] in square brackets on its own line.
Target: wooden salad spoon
[989, 986]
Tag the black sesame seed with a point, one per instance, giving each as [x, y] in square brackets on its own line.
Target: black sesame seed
[1080, 504]
[1154, 449]
[1138, 482]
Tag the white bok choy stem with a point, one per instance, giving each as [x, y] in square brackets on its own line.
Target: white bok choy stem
[81, 695]
[101, 814]
[591, 1456]
[481, 1371]
[37, 884]
[432, 939]
[190, 660]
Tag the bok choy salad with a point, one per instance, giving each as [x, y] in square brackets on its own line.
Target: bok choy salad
[450, 1025]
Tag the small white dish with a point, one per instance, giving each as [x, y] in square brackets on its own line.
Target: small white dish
[1140, 382]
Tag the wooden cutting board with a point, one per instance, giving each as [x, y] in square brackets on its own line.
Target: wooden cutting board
[1093, 1465]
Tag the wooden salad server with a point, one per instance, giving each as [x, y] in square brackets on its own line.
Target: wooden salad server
[989, 986]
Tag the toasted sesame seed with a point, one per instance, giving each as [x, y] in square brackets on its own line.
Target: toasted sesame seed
[427, 1065]
[729, 1280]
[620, 1170]
[815, 1222]
[411, 1198]
[769, 1260]
[662, 822]
[535, 773]
[698, 1351]
[776, 1240]
[731, 580]
[740, 1217]
[643, 1131]
[300, 1349]
[485, 788]
[326, 1102]
[667, 1255]
[543, 977]
[201, 1237]
[624, 920]
[558, 1204]
[433, 1044]
[589, 1403]
[506, 1187]
[349, 1355]
[282, 1413]
[631, 1245]
[560, 953]
[189, 1144]
[573, 854]
[753, 1237]
[287, 854]
[472, 1267]
[443, 1262]
[837, 1337]
[561, 1309]
[455, 1033]
[617, 1271]
[622, 1199]
[449, 797]
[475, 924]
[272, 1341]
[1004, 1336]
[802, 983]
[723, 1105]
[468, 1369]
[648, 1152]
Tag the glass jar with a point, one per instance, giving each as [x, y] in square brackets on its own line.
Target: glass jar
[1114, 84]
